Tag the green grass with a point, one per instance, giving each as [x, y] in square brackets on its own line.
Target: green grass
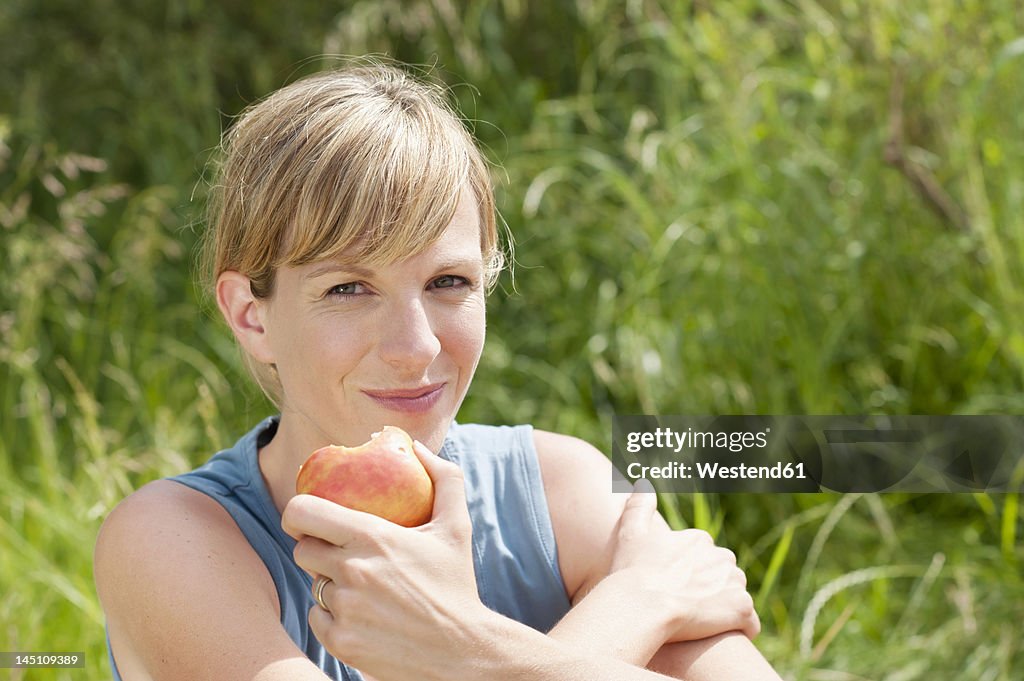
[705, 222]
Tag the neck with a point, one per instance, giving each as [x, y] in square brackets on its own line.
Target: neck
[279, 460]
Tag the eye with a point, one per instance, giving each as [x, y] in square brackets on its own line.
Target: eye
[349, 289]
[449, 281]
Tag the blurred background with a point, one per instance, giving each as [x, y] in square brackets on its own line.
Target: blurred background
[777, 207]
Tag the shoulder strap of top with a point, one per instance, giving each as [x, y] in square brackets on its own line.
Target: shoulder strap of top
[513, 541]
[233, 479]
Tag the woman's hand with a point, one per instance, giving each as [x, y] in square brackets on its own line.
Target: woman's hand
[662, 591]
[401, 600]
[682, 571]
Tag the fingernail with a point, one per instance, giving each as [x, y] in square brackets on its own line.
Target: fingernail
[643, 485]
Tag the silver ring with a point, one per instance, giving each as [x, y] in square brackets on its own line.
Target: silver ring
[318, 591]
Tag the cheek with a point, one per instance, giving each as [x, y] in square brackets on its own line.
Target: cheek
[465, 333]
[320, 346]
[341, 343]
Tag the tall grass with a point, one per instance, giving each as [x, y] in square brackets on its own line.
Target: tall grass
[707, 221]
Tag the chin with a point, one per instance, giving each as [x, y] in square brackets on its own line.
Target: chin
[431, 435]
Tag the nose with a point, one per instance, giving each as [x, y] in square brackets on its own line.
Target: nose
[408, 340]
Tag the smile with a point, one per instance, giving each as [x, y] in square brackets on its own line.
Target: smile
[413, 400]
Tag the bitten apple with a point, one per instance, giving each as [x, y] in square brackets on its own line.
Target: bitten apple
[383, 477]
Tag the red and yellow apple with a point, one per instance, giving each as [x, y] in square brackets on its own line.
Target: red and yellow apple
[383, 477]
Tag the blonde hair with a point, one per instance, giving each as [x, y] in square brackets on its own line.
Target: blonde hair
[365, 157]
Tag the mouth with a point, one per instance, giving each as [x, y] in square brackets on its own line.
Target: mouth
[408, 400]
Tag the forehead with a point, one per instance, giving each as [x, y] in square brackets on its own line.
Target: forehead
[459, 243]
[463, 233]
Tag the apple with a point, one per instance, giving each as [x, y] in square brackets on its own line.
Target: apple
[383, 477]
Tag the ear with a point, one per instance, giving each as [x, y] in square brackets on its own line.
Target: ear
[245, 314]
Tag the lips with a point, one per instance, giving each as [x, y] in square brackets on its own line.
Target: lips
[409, 400]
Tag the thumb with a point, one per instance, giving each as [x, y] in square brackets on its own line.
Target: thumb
[449, 483]
[640, 509]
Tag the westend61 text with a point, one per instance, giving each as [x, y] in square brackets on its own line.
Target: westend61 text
[715, 471]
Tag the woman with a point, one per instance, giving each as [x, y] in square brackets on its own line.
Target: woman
[352, 240]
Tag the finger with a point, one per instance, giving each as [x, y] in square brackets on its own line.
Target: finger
[449, 483]
[640, 509]
[753, 627]
[727, 611]
[308, 515]
[317, 557]
[740, 578]
[321, 621]
[741, 614]
[700, 537]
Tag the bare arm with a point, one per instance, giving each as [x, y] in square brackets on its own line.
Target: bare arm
[662, 586]
[402, 603]
[185, 595]
[585, 515]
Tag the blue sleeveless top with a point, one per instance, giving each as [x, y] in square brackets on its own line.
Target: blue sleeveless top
[514, 553]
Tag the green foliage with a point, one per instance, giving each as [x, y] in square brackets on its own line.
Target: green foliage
[711, 215]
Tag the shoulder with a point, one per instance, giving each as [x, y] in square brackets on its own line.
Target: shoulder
[571, 463]
[165, 518]
[176, 577]
[584, 511]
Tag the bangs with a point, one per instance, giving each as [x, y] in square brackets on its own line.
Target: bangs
[363, 165]
[380, 191]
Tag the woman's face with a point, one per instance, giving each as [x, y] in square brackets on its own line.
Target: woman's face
[357, 347]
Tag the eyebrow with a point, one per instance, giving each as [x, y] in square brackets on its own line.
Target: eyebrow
[359, 271]
[334, 266]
